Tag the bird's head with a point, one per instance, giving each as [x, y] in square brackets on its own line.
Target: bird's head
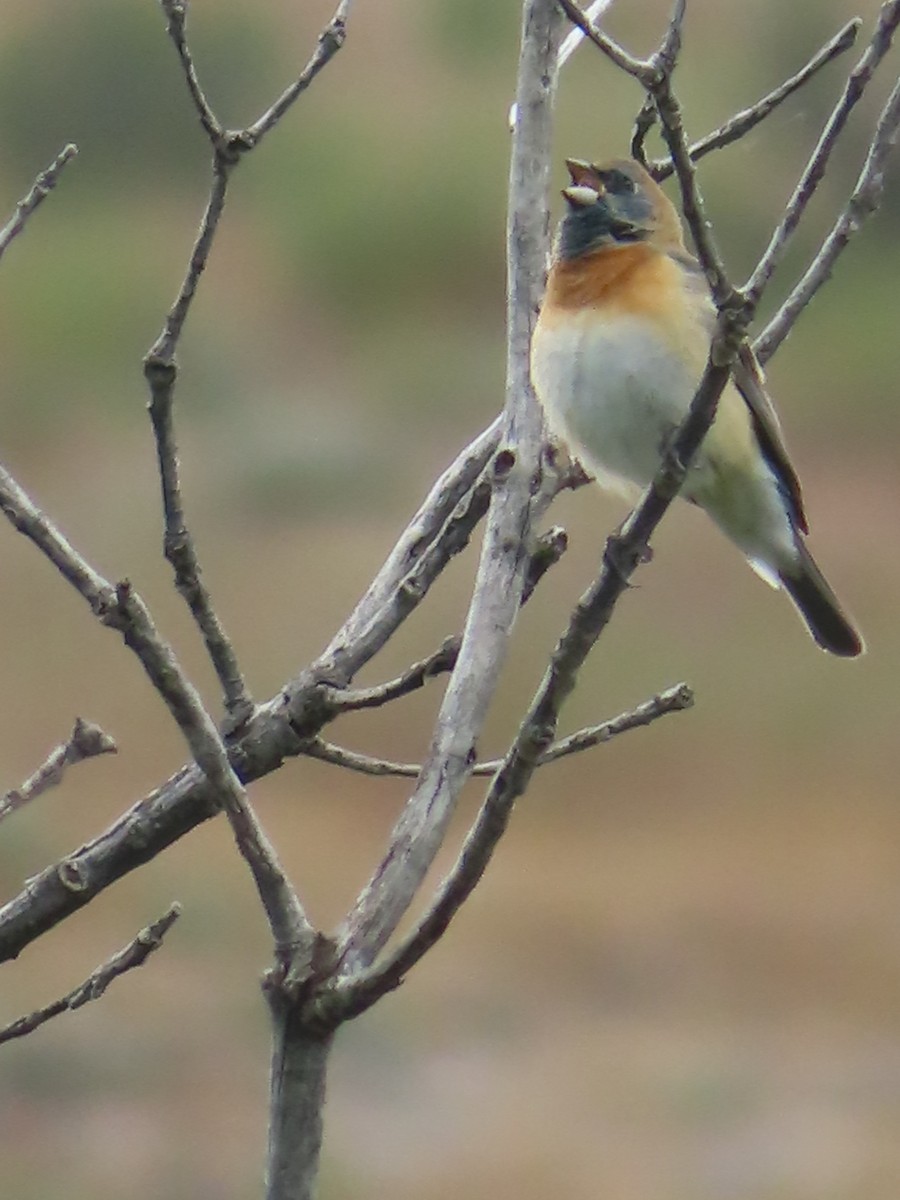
[615, 203]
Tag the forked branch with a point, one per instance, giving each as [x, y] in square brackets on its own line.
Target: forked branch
[743, 122]
[160, 367]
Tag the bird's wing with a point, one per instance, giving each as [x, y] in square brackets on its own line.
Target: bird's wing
[749, 380]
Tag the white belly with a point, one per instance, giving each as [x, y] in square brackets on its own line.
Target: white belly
[614, 393]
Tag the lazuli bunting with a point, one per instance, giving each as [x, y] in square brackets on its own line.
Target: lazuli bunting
[621, 342]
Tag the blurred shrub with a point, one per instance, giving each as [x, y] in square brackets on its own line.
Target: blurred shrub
[109, 80]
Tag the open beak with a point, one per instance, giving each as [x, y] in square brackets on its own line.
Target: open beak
[581, 196]
[584, 174]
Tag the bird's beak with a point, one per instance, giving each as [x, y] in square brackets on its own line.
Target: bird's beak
[581, 196]
[583, 174]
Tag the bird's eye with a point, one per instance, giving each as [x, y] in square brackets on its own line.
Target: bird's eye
[618, 182]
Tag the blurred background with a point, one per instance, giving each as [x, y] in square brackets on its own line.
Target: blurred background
[680, 979]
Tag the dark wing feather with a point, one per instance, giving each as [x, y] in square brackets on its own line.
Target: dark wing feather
[749, 380]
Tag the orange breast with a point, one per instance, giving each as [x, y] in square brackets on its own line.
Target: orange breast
[635, 280]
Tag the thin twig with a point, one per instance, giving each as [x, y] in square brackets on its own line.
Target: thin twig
[414, 677]
[21, 511]
[330, 41]
[37, 193]
[85, 741]
[228, 149]
[576, 36]
[240, 142]
[162, 353]
[741, 123]
[546, 553]
[672, 130]
[161, 372]
[135, 954]
[854, 89]
[864, 201]
[674, 699]
[644, 121]
[176, 19]
[636, 67]
[353, 760]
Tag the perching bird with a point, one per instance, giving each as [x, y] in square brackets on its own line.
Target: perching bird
[620, 345]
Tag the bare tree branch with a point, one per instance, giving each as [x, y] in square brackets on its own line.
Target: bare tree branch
[864, 201]
[121, 608]
[161, 354]
[644, 121]
[655, 74]
[176, 20]
[85, 741]
[160, 370]
[636, 67]
[439, 529]
[414, 677]
[18, 507]
[674, 699]
[279, 728]
[37, 193]
[160, 367]
[568, 46]
[349, 997]
[672, 128]
[741, 123]
[857, 82]
[134, 955]
[290, 927]
[574, 37]
[354, 760]
[179, 549]
[417, 836]
[330, 41]
[354, 992]
[548, 549]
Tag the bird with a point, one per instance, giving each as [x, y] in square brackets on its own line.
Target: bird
[618, 350]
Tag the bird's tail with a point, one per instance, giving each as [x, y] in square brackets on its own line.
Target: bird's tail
[819, 607]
